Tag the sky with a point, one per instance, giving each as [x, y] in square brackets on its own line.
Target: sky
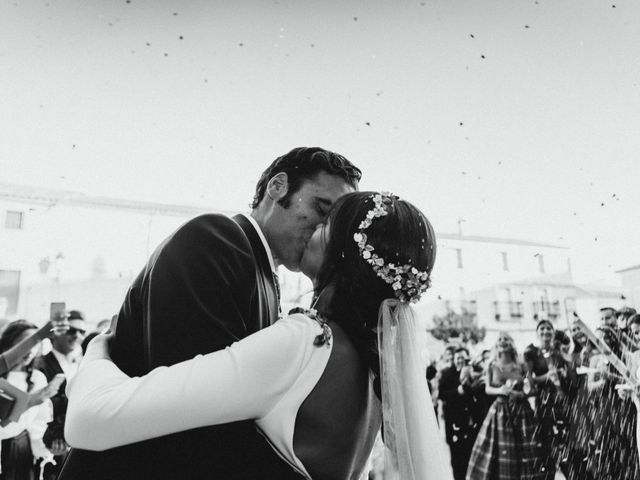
[510, 118]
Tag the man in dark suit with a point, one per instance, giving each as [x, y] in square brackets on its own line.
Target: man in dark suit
[63, 359]
[211, 283]
[459, 423]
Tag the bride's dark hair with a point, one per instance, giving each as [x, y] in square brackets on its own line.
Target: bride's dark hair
[403, 236]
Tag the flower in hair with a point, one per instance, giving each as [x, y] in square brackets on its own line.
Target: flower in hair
[407, 282]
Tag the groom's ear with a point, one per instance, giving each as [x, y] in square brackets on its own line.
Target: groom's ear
[278, 186]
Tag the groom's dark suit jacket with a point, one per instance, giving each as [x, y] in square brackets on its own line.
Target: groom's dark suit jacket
[208, 285]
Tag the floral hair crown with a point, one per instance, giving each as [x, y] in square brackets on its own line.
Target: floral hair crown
[408, 282]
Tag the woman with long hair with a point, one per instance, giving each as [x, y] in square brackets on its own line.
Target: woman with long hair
[505, 448]
[549, 371]
[318, 385]
[22, 440]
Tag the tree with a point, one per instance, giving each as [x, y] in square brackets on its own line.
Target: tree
[457, 326]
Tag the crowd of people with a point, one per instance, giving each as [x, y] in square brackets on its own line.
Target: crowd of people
[33, 446]
[561, 405]
[243, 391]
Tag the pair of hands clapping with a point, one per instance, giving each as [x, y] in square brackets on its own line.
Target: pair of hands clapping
[509, 389]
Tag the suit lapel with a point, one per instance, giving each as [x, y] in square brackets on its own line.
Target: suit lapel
[55, 364]
[269, 288]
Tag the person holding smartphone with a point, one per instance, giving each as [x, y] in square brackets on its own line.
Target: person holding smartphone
[459, 424]
[22, 440]
[63, 359]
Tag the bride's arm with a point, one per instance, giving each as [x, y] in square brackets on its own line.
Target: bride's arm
[109, 409]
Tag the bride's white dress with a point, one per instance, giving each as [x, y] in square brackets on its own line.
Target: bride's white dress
[265, 377]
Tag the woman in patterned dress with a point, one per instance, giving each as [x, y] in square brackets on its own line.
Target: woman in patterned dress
[552, 377]
[505, 447]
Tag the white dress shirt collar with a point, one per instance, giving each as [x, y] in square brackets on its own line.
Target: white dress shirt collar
[253, 222]
[69, 363]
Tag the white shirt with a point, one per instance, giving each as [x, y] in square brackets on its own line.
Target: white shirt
[69, 363]
[35, 419]
[265, 377]
[263, 239]
[272, 263]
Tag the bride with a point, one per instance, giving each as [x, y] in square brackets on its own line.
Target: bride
[319, 385]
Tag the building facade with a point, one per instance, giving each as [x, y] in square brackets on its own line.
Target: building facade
[62, 246]
[510, 284]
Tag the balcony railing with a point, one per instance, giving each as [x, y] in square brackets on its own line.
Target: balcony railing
[508, 310]
[462, 306]
[547, 308]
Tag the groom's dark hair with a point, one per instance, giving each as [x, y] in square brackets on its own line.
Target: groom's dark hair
[302, 164]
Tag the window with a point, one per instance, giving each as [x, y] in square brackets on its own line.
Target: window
[540, 262]
[13, 220]
[9, 289]
[459, 257]
[505, 261]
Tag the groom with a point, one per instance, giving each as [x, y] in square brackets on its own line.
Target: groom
[213, 282]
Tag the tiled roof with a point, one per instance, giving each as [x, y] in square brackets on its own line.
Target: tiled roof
[628, 269]
[47, 196]
[482, 239]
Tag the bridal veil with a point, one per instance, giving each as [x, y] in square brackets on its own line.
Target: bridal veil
[414, 446]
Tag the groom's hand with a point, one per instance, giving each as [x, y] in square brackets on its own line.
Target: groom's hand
[100, 347]
[59, 447]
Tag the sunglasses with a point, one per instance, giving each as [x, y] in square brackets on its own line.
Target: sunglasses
[73, 331]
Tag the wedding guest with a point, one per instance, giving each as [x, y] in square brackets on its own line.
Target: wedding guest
[547, 370]
[459, 424]
[634, 327]
[562, 344]
[447, 357]
[481, 401]
[445, 361]
[629, 343]
[63, 359]
[580, 460]
[583, 348]
[565, 401]
[608, 317]
[484, 358]
[430, 374]
[22, 443]
[611, 416]
[505, 448]
[631, 390]
[623, 315]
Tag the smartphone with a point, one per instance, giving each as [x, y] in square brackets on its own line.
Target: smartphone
[58, 311]
[58, 317]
